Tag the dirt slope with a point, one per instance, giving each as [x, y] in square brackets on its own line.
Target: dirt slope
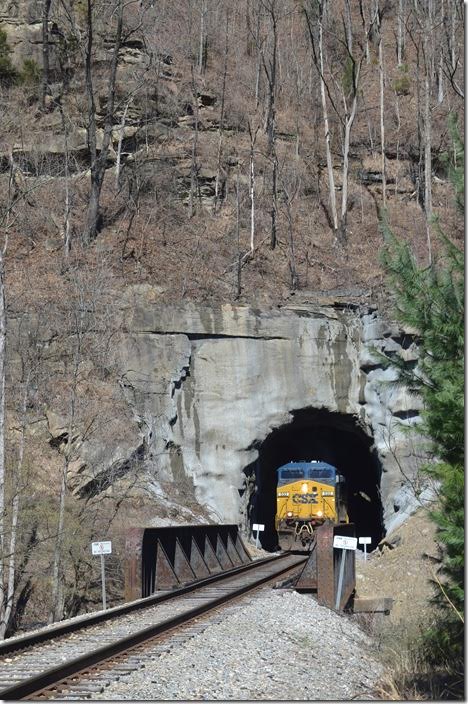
[402, 572]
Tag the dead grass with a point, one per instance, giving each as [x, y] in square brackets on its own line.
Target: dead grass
[409, 675]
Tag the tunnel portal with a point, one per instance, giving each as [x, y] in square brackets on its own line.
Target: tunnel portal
[331, 437]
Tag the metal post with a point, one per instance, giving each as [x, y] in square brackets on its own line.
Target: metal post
[103, 582]
[256, 539]
[365, 552]
[340, 580]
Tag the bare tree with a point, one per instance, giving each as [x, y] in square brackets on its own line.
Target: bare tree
[99, 161]
[452, 53]
[270, 66]
[99, 153]
[17, 197]
[318, 56]
[421, 36]
[378, 25]
[401, 31]
[78, 331]
[290, 192]
[222, 114]
[253, 139]
[202, 46]
[45, 51]
[194, 168]
[84, 316]
[28, 349]
[3, 333]
[346, 95]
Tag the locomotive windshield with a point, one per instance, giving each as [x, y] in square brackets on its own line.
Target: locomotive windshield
[321, 473]
[293, 472]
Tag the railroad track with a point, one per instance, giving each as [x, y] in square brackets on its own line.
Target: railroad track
[63, 661]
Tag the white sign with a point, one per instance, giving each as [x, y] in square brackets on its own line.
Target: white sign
[102, 548]
[344, 542]
[365, 541]
[258, 526]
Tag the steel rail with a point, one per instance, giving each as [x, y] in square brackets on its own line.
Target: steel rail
[11, 645]
[60, 673]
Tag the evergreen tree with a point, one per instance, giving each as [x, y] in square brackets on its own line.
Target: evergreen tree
[431, 300]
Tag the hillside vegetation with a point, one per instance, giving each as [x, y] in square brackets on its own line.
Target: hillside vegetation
[214, 152]
[185, 145]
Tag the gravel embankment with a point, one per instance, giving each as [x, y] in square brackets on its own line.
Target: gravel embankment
[277, 645]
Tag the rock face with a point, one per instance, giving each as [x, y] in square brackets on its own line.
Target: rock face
[211, 387]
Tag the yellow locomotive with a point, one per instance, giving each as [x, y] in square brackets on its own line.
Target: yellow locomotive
[307, 495]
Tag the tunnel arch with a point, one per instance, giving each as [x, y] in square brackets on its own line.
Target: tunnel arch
[318, 434]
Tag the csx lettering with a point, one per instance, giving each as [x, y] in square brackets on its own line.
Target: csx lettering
[304, 499]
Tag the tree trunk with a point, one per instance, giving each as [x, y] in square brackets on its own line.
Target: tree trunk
[253, 137]
[274, 204]
[119, 145]
[440, 73]
[3, 326]
[382, 120]
[348, 26]
[400, 32]
[45, 51]
[331, 179]
[194, 165]
[428, 60]
[292, 255]
[271, 68]
[341, 233]
[11, 584]
[397, 113]
[239, 257]
[57, 601]
[56, 612]
[99, 162]
[67, 208]
[221, 117]
[202, 41]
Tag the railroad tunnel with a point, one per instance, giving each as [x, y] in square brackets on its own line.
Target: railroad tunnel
[317, 434]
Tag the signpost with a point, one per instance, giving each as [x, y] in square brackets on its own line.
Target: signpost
[258, 527]
[102, 548]
[343, 542]
[365, 542]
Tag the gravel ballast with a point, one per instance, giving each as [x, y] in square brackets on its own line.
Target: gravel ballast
[277, 645]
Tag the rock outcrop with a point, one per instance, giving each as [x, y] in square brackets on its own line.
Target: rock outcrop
[207, 386]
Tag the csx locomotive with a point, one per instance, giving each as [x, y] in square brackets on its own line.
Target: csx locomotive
[307, 495]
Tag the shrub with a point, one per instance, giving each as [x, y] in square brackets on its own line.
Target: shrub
[8, 73]
[402, 83]
[30, 74]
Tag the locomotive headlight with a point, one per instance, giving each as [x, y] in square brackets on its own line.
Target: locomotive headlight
[320, 514]
[289, 514]
[304, 488]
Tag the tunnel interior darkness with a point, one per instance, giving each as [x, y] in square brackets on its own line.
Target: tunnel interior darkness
[317, 434]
